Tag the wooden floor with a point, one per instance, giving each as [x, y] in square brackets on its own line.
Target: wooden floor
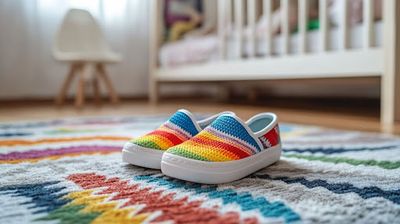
[363, 119]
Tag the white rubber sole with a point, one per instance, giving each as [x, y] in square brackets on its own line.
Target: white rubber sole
[141, 156]
[217, 172]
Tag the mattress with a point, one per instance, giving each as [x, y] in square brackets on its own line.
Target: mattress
[189, 51]
[205, 49]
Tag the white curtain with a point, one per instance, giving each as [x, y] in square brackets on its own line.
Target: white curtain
[27, 30]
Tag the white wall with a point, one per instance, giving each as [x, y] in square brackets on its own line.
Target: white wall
[27, 29]
[28, 70]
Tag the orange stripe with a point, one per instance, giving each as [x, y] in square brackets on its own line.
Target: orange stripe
[171, 131]
[171, 137]
[57, 140]
[208, 152]
[161, 141]
[239, 153]
[15, 161]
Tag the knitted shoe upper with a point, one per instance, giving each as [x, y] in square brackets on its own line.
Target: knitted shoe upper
[179, 128]
[226, 139]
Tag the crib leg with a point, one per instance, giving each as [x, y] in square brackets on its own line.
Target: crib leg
[390, 82]
[390, 102]
[154, 41]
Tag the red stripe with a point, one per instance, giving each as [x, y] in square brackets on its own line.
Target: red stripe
[173, 138]
[154, 200]
[272, 136]
[222, 145]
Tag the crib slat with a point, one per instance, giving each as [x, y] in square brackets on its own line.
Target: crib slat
[324, 26]
[251, 20]
[368, 23]
[227, 24]
[222, 28]
[238, 16]
[343, 26]
[303, 20]
[228, 11]
[285, 25]
[267, 8]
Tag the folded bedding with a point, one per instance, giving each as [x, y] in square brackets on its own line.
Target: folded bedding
[190, 50]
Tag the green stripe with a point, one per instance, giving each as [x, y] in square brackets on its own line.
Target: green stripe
[186, 153]
[146, 144]
[71, 214]
[389, 165]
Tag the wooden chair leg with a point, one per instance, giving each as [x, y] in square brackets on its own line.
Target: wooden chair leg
[64, 89]
[96, 90]
[80, 93]
[103, 75]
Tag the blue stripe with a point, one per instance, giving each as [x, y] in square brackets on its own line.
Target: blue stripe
[183, 121]
[14, 134]
[246, 201]
[339, 188]
[42, 195]
[328, 151]
[31, 124]
[231, 126]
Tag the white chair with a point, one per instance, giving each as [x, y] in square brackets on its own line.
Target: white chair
[81, 43]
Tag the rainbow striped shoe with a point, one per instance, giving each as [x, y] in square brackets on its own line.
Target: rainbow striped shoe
[147, 150]
[227, 150]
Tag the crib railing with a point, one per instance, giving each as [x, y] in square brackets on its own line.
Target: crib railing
[243, 13]
[323, 25]
[379, 61]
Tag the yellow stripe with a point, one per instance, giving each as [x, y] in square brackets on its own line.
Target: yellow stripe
[159, 140]
[109, 211]
[209, 152]
[209, 135]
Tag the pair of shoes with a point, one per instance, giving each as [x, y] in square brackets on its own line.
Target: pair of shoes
[219, 149]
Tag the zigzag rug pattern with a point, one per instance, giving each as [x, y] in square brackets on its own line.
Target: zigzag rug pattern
[70, 171]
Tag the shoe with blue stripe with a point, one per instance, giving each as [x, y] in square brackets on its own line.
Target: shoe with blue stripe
[147, 150]
[226, 150]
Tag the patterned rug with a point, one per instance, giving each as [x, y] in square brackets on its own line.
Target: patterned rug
[70, 171]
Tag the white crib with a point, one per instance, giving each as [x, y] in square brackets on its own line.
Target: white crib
[343, 62]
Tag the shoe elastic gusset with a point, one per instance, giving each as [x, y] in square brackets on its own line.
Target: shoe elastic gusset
[147, 150]
[227, 150]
